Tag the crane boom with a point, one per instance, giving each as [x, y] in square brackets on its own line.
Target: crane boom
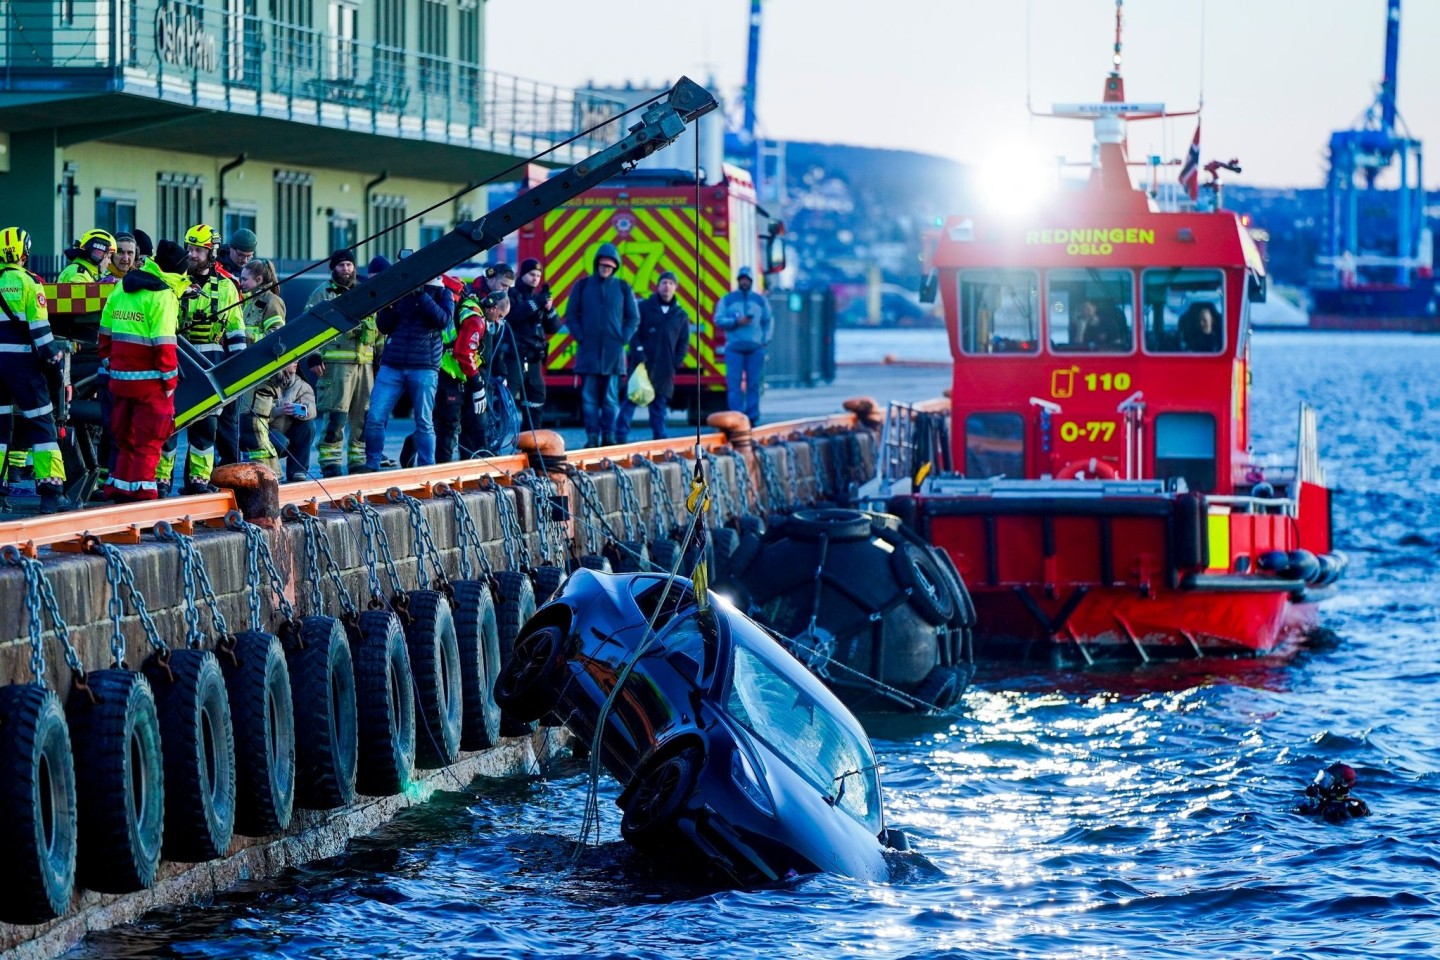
[203, 388]
[1389, 84]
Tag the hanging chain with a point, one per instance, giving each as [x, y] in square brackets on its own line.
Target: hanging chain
[774, 488]
[541, 489]
[424, 541]
[202, 577]
[792, 473]
[517, 554]
[39, 595]
[259, 553]
[817, 467]
[630, 510]
[194, 632]
[749, 497]
[662, 504]
[312, 558]
[724, 501]
[375, 537]
[118, 574]
[593, 512]
[317, 539]
[467, 532]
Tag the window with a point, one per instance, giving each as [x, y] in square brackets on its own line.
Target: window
[390, 49]
[242, 43]
[292, 215]
[344, 230]
[67, 191]
[115, 211]
[784, 716]
[434, 46]
[470, 73]
[999, 311]
[293, 63]
[1184, 310]
[1091, 310]
[1185, 447]
[238, 216]
[994, 445]
[341, 50]
[430, 232]
[179, 205]
[386, 214]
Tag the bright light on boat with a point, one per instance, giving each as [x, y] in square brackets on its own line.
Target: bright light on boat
[1011, 183]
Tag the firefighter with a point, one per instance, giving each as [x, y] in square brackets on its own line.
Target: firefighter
[210, 318]
[89, 258]
[264, 311]
[26, 344]
[278, 427]
[137, 340]
[344, 375]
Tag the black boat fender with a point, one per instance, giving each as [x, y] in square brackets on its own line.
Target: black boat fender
[515, 605]
[1273, 561]
[327, 737]
[120, 789]
[917, 572]
[386, 703]
[257, 678]
[198, 750]
[436, 674]
[836, 525]
[37, 804]
[478, 638]
[1192, 532]
[1302, 565]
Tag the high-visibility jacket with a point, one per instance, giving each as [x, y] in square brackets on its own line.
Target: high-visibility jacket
[211, 320]
[138, 328]
[29, 332]
[356, 345]
[80, 270]
[467, 322]
[263, 312]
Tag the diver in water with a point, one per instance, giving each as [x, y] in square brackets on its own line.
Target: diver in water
[1329, 795]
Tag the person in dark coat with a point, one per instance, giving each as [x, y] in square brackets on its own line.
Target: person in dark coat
[532, 321]
[661, 343]
[602, 317]
[415, 325]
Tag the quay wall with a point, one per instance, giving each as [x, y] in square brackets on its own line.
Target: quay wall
[786, 473]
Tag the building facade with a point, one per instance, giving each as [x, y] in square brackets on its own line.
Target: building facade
[315, 123]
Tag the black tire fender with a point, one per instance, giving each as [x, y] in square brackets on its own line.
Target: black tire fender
[120, 789]
[327, 735]
[263, 712]
[546, 581]
[745, 553]
[594, 561]
[38, 813]
[915, 570]
[435, 672]
[515, 605]
[477, 636]
[198, 746]
[385, 701]
[663, 553]
[835, 524]
[631, 556]
[940, 688]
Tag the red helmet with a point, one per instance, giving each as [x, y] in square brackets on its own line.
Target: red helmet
[1343, 773]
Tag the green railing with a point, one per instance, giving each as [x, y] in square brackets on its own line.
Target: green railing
[200, 54]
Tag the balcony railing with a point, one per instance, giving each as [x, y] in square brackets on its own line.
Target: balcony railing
[200, 54]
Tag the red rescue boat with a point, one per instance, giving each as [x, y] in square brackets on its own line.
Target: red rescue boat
[1098, 491]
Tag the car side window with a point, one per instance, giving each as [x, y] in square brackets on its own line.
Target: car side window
[690, 645]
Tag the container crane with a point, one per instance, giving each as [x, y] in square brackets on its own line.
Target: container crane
[1369, 280]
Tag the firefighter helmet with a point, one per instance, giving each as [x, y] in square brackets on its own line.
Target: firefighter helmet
[201, 235]
[14, 245]
[97, 241]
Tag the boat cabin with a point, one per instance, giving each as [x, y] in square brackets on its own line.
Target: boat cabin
[1100, 342]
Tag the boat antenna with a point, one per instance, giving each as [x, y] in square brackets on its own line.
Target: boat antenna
[1204, 5]
[1119, 24]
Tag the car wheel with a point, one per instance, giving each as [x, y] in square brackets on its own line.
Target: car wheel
[659, 795]
[528, 685]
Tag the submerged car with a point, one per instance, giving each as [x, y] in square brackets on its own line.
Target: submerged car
[725, 745]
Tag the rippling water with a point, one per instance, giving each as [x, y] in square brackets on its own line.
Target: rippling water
[1109, 814]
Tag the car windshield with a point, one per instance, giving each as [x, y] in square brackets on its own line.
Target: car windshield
[799, 730]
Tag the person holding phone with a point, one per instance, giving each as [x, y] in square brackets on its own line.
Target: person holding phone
[278, 428]
[748, 324]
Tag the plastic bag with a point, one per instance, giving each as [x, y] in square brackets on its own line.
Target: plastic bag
[640, 390]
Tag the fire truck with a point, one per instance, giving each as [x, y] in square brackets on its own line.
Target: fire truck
[658, 220]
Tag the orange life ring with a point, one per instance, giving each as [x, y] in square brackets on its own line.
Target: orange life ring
[1092, 469]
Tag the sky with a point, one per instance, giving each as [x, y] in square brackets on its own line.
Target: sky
[950, 77]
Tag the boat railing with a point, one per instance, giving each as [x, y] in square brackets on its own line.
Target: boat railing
[1280, 506]
[1308, 468]
[913, 437]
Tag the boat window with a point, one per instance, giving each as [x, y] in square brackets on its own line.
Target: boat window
[1184, 311]
[994, 445]
[999, 311]
[1091, 310]
[1185, 447]
[782, 715]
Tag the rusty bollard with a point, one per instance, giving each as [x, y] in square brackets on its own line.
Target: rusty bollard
[735, 426]
[866, 411]
[256, 489]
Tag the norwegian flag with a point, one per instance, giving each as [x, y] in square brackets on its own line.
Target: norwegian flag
[1190, 170]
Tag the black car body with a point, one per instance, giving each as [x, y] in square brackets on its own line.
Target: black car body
[724, 743]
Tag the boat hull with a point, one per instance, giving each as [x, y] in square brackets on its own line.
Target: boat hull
[1399, 309]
